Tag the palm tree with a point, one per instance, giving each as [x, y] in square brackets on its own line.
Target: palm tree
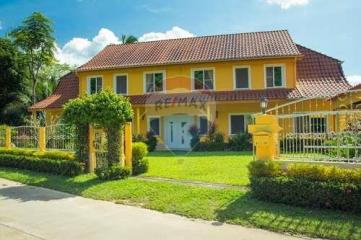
[129, 39]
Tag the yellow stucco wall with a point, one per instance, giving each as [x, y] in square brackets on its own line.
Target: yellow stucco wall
[178, 77]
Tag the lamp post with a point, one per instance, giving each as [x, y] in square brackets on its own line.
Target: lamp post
[264, 104]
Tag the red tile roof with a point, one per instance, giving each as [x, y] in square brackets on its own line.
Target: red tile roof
[68, 88]
[196, 49]
[319, 75]
[356, 87]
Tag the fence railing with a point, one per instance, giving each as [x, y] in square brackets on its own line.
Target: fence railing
[60, 137]
[2, 137]
[55, 137]
[333, 136]
[24, 137]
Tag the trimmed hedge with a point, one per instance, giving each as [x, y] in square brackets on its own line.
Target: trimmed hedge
[140, 165]
[307, 185]
[113, 172]
[57, 155]
[59, 167]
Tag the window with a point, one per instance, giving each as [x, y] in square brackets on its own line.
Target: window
[274, 76]
[120, 85]
[310, 124]
[95, 84]
[203, 79]
[154, 125]
[203, 125]
[237, 124]
[154, 82]
[241, 77]
[318, 124]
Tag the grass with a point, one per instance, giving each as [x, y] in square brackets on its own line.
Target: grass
[231, 206]
[212, 167]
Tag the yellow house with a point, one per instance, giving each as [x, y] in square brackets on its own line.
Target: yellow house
[175, 84]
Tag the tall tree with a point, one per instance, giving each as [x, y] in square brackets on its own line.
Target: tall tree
[48, 79]
[35, 39]
[13, 96]
[129, 39]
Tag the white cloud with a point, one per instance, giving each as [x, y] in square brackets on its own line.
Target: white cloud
[286, 4]
[79, 50]
[354, 79]
[175, 32]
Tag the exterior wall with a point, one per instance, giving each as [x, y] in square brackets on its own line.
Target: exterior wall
[178, 77]
[53, 116]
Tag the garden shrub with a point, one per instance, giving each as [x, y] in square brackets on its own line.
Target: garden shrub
[151, 141]
[57, 155]
[213, 142]
[307, 185]
[114, 172]
[59, 167]
[140, 165]
[240, 142]
[138, 138]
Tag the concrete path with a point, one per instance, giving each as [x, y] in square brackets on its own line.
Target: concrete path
[33, 213]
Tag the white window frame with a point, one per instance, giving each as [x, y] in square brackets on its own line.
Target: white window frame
[88, 82]
[235, 79]
[115, 83]
[229, 122]
[145, 81]
[199, 124]
[203, 69]
[148, 124]
[283, 74]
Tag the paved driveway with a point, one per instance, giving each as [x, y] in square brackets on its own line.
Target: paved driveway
[32, 213]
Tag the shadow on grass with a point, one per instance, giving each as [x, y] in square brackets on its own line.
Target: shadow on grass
[279, 217]
[166, 153]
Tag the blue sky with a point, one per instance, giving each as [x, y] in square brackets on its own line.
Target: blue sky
[329, 26]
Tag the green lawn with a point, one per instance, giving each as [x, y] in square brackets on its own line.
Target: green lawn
[232, 206]
[214, 167]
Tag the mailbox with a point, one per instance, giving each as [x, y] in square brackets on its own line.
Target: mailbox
[265, 136]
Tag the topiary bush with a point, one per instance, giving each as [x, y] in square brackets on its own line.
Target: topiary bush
[140, 165]
[151, 141]
[59, 167]
[114, 172]
[307, 185]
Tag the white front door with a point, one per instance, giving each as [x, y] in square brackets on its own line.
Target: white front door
[176, 131]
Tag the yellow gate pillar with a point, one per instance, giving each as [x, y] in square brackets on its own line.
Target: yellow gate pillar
[265, 134]
[41, 139]
[91, 147]
[128, 144]
[8, 138]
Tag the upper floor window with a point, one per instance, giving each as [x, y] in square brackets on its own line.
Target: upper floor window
[274, 76]
[154, 82]
[95, 84]
[121, 84]
[241, 77]
[203, 79]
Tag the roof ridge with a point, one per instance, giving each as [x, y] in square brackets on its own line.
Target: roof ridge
[203, 36]
[338, 60]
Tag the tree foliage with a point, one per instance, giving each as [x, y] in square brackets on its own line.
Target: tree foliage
[35, 39]
[13, 98]
[128, 39]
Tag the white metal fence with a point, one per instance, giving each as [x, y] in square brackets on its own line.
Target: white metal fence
[24, 137]
[60, 137]
[321, 136]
